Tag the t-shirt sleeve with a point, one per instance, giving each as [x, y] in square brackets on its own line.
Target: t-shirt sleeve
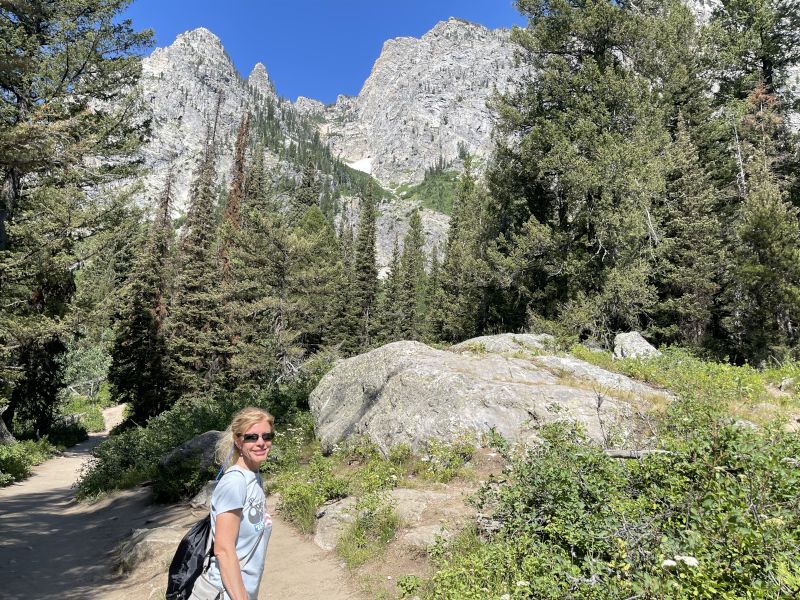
[230, 493]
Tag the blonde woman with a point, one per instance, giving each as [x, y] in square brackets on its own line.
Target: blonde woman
[240, 524]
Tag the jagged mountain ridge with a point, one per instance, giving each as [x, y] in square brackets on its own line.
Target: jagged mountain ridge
[424, 102]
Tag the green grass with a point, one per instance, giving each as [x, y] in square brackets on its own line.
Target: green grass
[367, 537]
[437, 191]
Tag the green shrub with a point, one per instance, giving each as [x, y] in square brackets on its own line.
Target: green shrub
[66, 436]
[17, 459]
[716, 514]
[374, 527]
[90, 410]
[446, 460]
[131, 453]
[304, 490]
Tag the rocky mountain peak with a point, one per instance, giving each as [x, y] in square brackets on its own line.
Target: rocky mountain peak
[260, 79]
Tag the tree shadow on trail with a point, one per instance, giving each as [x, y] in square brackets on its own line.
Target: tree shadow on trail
[54, 547]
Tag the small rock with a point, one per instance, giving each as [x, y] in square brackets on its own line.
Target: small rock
[633, 345]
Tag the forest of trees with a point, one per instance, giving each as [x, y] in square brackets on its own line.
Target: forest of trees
[645, 177]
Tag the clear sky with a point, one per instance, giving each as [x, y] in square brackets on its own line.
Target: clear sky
[313, 48]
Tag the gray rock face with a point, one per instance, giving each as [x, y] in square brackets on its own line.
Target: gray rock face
[198, 450]
[334, 518]
[507, 342]
[424, 99]
[407, 392]
[633, 345]
[145, 543]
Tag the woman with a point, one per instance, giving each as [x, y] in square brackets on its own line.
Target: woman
[240, 525]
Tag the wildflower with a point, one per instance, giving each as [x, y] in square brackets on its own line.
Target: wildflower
[689, 561]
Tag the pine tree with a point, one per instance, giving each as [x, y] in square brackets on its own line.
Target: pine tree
[345, 331]
[365, 271]
[433, 300]
[67, 124]
[412, 281]
[754, 41]
[197, 345]
[309, 190]
[389, 307]
[231, 220]
[459, 304]
[763, 292]
[579, 155]
[138, 373]
[689, 249]
[256, 297]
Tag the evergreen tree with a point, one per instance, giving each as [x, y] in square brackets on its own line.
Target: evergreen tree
[308, 192]
[256, 299]
[197, 345]
[365, 272]
[315, 275]
[433, 301]
[345, 314]
[389, 309]
[138, 373]
[67, 124]
[763, 295]
[689, 249]
[459, 304]
[578, 166]
[231, 220]
[412, 281]
[755, 41]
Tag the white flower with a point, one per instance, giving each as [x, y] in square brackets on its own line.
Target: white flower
[668, 564]
[505, 597]
[689, 561]
[523, 583]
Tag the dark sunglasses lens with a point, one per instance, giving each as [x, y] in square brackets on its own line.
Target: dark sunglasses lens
[253, 437]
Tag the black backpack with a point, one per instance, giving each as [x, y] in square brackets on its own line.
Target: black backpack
[188, 563]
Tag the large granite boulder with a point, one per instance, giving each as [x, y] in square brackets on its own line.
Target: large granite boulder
[633, 345]
[197, 452]
[407, 392]
[507, 342]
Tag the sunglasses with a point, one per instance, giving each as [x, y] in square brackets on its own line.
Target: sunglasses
[253, 437]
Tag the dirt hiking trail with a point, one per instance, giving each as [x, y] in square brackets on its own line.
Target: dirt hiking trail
[52, 546]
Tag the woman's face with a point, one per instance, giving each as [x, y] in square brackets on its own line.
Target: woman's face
[253, 448]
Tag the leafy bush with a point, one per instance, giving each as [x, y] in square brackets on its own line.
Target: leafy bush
[91, 411]
[374, 527]
[131, 454]
[304, 490]
[17, 459]
[446, 460]
[715, 514]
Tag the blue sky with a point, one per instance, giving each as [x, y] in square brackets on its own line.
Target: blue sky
[314, 48]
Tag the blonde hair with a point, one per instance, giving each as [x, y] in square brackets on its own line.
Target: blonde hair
[227, 453]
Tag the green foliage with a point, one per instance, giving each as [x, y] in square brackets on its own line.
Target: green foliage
[303, 491]
[68, 124]
[446, 460]
[17, 459]
[90, 410]
[437, 190]
[720, 388]
[131, 456]
[374, 527]
[581, 525]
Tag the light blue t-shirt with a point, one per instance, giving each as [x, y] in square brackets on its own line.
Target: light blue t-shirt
[241, 488]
